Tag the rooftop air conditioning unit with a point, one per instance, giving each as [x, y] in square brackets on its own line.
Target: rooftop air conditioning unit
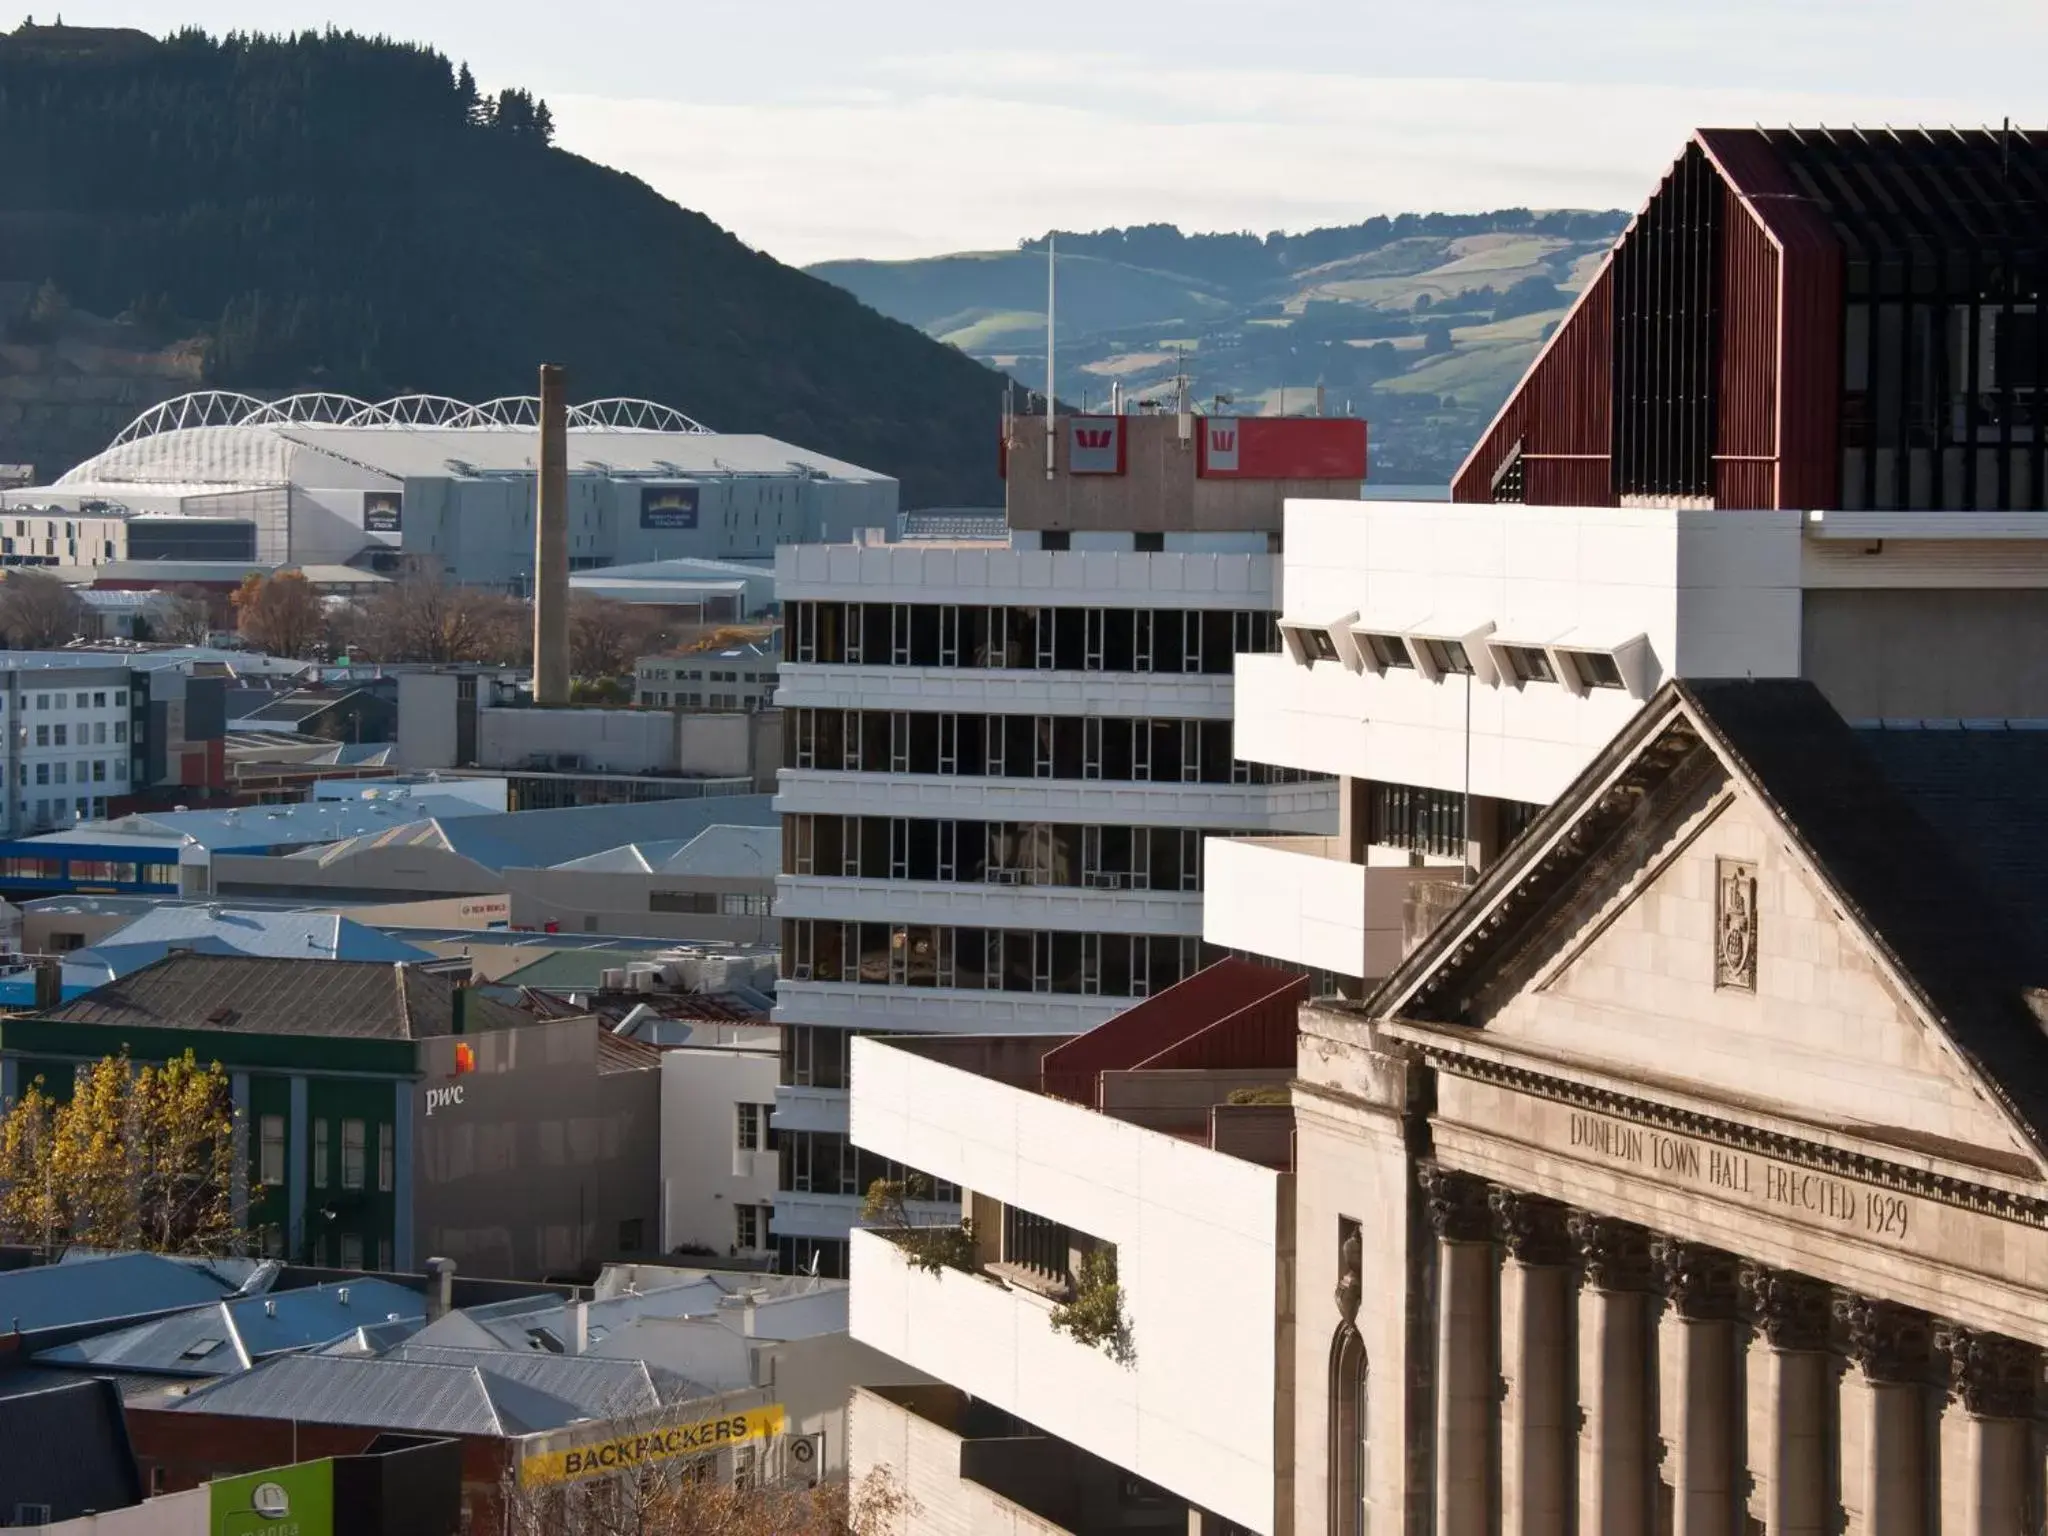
[611, 981]
[644, 981]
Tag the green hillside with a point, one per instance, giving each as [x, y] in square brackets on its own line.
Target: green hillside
[335, 212]
[1421, 322]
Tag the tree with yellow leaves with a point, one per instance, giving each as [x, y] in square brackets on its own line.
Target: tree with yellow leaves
[138, 1157]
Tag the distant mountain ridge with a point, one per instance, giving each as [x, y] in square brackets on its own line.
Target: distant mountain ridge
[334, 212]
[1419, 321]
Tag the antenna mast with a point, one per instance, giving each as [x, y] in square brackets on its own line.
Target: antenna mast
[1051, 298]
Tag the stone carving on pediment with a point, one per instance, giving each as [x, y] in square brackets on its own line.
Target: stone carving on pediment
[1735, 925]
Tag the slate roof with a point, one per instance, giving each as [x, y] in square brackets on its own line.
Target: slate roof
[67, 1447]
[1933, 901]
[251, 994]
[233, 1335]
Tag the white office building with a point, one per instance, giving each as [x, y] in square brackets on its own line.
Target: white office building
[1001, 764]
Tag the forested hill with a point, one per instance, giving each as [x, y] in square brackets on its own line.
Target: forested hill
[343, 213]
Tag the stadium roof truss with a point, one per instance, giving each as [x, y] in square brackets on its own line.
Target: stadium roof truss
[223, 408]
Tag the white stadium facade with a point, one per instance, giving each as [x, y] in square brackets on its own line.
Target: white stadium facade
[425, 481]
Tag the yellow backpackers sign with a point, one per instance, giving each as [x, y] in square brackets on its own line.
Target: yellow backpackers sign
[663, 1443]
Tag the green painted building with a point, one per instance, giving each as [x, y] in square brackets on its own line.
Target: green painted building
[389, 1114]
[326, 1058]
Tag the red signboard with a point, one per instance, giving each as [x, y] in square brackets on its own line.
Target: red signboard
[1280, 448]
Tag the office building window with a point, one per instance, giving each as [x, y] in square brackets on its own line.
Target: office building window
[320, 1154]
[270, 1150]
[632, 1234]
[384, 1254]
[99, 701]
[120, 698]
[42, 735]
[387, 1158]
[352, 1154]
[753, 1126]
[84, 700]
[120, 732]
[351, 1250]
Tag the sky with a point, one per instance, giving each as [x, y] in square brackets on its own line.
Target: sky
[902, 128]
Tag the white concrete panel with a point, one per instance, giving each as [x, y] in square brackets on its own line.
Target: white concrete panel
[1192, 1410]
[1297, 900]
[810, 1109]
[930, 1010]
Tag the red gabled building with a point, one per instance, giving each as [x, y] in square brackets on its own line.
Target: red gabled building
[1801, 318]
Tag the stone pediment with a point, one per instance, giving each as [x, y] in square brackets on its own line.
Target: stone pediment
[1729, 907]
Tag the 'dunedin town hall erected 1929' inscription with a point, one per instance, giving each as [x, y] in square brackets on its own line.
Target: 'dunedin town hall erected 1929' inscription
[1820, 1198]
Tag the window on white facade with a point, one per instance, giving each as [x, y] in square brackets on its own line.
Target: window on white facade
[750, 1226]
[1527, 663]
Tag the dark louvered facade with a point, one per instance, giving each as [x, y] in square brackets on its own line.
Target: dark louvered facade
[1801, 318]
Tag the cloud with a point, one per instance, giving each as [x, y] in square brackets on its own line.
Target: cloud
[914, 163]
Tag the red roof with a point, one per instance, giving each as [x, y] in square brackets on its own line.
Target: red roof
[1234, 1014]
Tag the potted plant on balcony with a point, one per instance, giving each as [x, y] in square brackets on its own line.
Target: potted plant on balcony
[931, 1246]
[1094, 1313]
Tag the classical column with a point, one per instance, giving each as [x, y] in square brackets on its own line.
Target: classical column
[1997, 1381]
[1890, 1346]
[1539, 1417]
[1793, 1313]
[1466, 1393]
[1700, 1283]
[1614, 1375]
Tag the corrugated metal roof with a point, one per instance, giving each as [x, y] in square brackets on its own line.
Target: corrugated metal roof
[232, 1335]
[727, 852]
[234, 930]
[67, 1447]
[376, 1393]
[104, 1290]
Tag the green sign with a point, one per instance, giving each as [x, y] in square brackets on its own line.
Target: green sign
[284, 1501]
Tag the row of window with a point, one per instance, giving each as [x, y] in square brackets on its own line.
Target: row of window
[750, 703]
[1025, 638]
[1114, 748]
[84, 699]
[1435, 658]
[701, 675]
[341, 1250]
[826, 1163]
[98, 770]
[994, 852]
[989, 959]
[355, 1143]
[49, 812]
[93, 734]
[711, 904]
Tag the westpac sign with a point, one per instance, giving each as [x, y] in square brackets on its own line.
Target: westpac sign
[1095, 445]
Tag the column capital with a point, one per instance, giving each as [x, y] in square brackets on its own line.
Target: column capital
[1992, 1376]
[1698, 1281]
[1532, 1227]
[1792, 1311]
[1614, 1254]
[1891, 1344]
[1457, 1204]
